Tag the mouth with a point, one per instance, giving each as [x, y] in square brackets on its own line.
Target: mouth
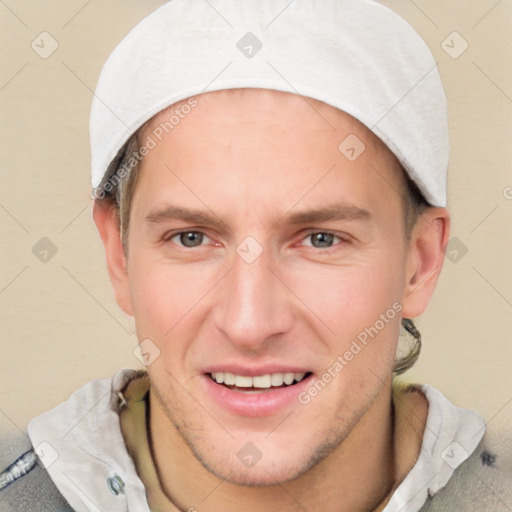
[258, 383]
[251, 392]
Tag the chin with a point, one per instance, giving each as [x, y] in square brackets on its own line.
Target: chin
[262, 474]
[274, 464]
[256, 454]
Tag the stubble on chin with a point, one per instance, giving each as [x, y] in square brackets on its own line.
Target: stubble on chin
[222, 461]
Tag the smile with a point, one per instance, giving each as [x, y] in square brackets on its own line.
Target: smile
[248, 391]
[258, 383]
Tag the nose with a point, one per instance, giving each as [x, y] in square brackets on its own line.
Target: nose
[253, 304]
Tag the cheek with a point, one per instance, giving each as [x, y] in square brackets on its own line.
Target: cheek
[167, 310]
[349, 297]
[165, 296]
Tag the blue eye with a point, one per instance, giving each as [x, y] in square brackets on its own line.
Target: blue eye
[192, 239]
[322, 239]
[189, 238]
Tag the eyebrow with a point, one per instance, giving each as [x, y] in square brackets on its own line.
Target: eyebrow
[337, 211]
[333, 212]
[179, 213]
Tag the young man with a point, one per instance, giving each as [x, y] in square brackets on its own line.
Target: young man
[271, 195]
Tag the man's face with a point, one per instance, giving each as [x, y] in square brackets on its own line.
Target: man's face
[289, 251]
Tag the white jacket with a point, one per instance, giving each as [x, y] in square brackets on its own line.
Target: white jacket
[81, 445]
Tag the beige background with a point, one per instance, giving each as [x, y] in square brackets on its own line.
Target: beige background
[60, 326]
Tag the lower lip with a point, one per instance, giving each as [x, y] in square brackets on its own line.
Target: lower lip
[263, 403]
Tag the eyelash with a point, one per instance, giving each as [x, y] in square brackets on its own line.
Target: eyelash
[341, 239]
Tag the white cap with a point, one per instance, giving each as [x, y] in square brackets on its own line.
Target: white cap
[356, 55]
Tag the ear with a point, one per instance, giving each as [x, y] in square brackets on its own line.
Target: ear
[107, 221]
[425, 259]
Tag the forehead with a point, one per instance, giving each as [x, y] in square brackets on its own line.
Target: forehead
[266, 110]
[267, 146]
[276, 107]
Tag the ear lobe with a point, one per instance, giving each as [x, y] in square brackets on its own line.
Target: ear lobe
[107, 221]
[425, 259]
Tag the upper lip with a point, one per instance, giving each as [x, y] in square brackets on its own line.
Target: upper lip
[254, 371]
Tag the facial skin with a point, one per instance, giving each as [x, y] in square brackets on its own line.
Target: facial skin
[250, 161]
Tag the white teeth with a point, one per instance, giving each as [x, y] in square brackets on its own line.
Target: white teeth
[277, 379]
[288, 378]
[229, 378]
[243, 382]
[260, 381]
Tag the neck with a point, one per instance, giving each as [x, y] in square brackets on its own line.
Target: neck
[356, 476]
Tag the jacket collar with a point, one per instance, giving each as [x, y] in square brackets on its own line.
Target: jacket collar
[86, 457]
